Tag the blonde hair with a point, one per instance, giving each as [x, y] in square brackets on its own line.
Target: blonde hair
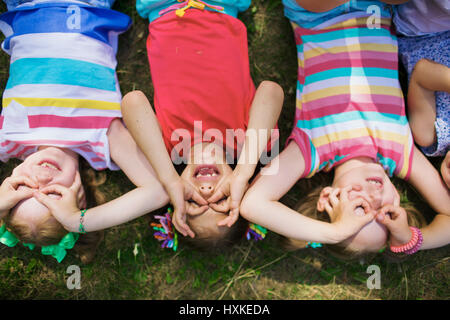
[49, 231]
[308, 207]
[227, 239]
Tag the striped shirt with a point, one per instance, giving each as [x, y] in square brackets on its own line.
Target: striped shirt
[349, 102]
[62, 89]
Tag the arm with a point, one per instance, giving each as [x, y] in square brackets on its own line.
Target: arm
[148, 195]
[427, 78]
[261, 204]
[144, 127]
[426, 179]
[264, 114]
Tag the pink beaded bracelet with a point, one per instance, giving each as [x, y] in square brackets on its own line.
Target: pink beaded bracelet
[411, 243]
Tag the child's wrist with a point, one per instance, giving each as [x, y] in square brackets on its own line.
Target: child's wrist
[169, 179]
[413, 245]
[404, 238]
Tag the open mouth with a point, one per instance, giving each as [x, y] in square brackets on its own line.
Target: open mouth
[206, 172]
[49, 164]
[375, 181]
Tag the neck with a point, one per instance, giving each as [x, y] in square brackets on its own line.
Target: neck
[351, 164]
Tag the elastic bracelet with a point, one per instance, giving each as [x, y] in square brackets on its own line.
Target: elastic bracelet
[411, 244]
[418, 244]
[81, 228]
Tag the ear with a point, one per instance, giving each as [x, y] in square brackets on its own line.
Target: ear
[323, 198]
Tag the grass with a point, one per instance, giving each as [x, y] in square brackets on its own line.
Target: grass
[249, 270]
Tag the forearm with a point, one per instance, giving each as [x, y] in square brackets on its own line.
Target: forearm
[437, 233]
[143, 125]
[279, 218]
[264, 113]
[129, 206]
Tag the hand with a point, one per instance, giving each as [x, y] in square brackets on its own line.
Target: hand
[445, 169]
[396, 220]
[232, 188]
[342, 213]
[180, 192]
[11, 193]
[65, 208]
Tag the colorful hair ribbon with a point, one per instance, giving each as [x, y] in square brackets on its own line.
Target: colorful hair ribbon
[165, 231]
[256, 231]
[313, 245]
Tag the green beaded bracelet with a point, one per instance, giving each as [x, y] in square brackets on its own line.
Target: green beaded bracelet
[81, 228]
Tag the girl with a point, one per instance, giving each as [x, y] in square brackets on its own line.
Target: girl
[61, 107]
[350, 117]
[205, 102]
[423, 29]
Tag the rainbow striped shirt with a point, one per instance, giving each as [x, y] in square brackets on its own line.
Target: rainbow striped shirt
[349, 100]
[62, 89]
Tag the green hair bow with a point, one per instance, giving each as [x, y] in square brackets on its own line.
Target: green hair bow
[57, 251]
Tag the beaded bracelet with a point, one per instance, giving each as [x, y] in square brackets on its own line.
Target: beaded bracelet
[411, 244]
[81, 227]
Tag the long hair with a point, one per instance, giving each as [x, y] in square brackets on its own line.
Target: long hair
[308, 207]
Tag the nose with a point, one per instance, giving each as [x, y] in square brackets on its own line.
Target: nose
[206, 189]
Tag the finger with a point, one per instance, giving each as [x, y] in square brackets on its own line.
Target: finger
[218, 195]
[344, 193]
[333, 197]
[56, 188]
[15, 182]
[77, 188]
[76, 185]
[360, 202]
[236, 198]
[44, 199]
[230, 220]
[198, 198]
[181, 224]
[328, 209]
[23, 193]
[388, 210]
[195, 210]
[178, 226]
[234, 216]
[367, 218]
[222, 206]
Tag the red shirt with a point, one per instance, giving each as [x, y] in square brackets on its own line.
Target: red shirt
[200, 71]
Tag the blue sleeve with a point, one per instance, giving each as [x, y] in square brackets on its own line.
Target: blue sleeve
[149, 9]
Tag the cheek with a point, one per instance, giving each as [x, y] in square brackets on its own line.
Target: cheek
[66, 178]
